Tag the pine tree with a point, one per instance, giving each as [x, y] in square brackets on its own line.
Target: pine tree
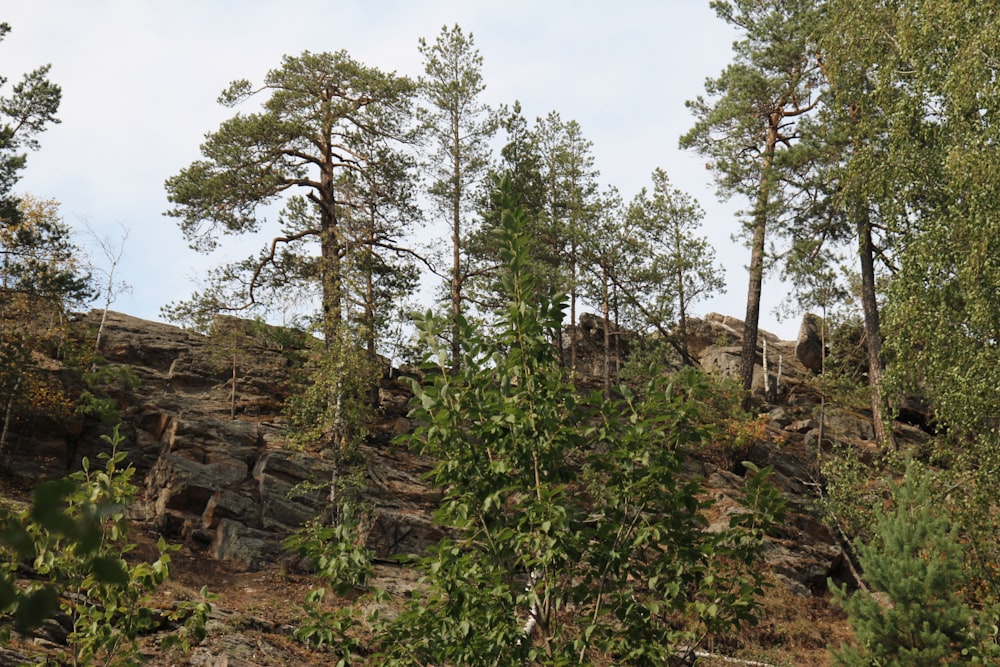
[749, 119]
[25, 113]
[459, 127]
[913, 615]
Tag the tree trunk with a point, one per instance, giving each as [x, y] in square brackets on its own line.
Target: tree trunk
[750, 323]
[456, 245]
[7, 416]
[331, 249]
[873, 333]
[370, 306]
[572, 321]
[331, 253]
[232, 393]
[606, 308]
[682, 318]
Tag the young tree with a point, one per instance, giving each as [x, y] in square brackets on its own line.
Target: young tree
[111, 288]
[573, 537]
[671, 268]
[552, 175]
[520, 162]
[41, 280]
[379, 273]
[914, 565]
[750, 119]
[459, 127]
[605, 257]
[569, 209]
[74, 538]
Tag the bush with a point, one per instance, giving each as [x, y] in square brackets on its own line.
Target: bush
[74, 537]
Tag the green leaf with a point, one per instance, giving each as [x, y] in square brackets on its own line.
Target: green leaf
[15, 536]
[110, 570]
[35, 607]
[49, 506]
[8, 594]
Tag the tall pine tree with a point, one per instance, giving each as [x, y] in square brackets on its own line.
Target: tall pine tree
[749, 119]
[459, 127]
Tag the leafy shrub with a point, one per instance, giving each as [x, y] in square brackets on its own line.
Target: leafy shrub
[74, 537]
[574, 534]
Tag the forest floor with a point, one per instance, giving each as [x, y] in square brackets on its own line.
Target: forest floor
[260, 610]
[255, 615]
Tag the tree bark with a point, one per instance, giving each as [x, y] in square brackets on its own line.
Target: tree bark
[7, 416]
[750, 323]
[572, 314]
[606, 308]
[456, 244]
[873, 333]
[682, 316]
[331, 250]
[232, 393]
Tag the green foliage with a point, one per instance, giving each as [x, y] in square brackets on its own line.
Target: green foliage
[552, 175]
[457, 129]
[41, 280]
[332, 403]
[932, 71]
[574, 534]
[571, 211]
[914, 615]
[24, 114]
[668, 267]
[751, 120]
[101, 381]
[75, 536]
[853, 492]
[333, 544]
[521, 162]
[340, 559]
[320, 247]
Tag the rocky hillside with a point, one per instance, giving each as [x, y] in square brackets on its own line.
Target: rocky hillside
[219, 478]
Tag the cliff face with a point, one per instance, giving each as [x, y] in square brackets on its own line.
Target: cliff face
[219, 477]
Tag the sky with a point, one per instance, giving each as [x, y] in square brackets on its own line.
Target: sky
[140, 80]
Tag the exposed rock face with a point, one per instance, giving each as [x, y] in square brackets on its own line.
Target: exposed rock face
[587, 338]
[232, 489]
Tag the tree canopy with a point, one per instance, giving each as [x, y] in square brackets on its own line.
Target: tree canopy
[25, 113]
[327, 128]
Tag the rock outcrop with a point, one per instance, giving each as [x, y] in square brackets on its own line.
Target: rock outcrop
[809, 345]
[220, 476]
[219, 473]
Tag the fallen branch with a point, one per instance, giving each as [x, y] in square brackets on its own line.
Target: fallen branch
[733, 661]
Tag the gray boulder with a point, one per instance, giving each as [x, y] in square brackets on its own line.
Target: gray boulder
[809, 346]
